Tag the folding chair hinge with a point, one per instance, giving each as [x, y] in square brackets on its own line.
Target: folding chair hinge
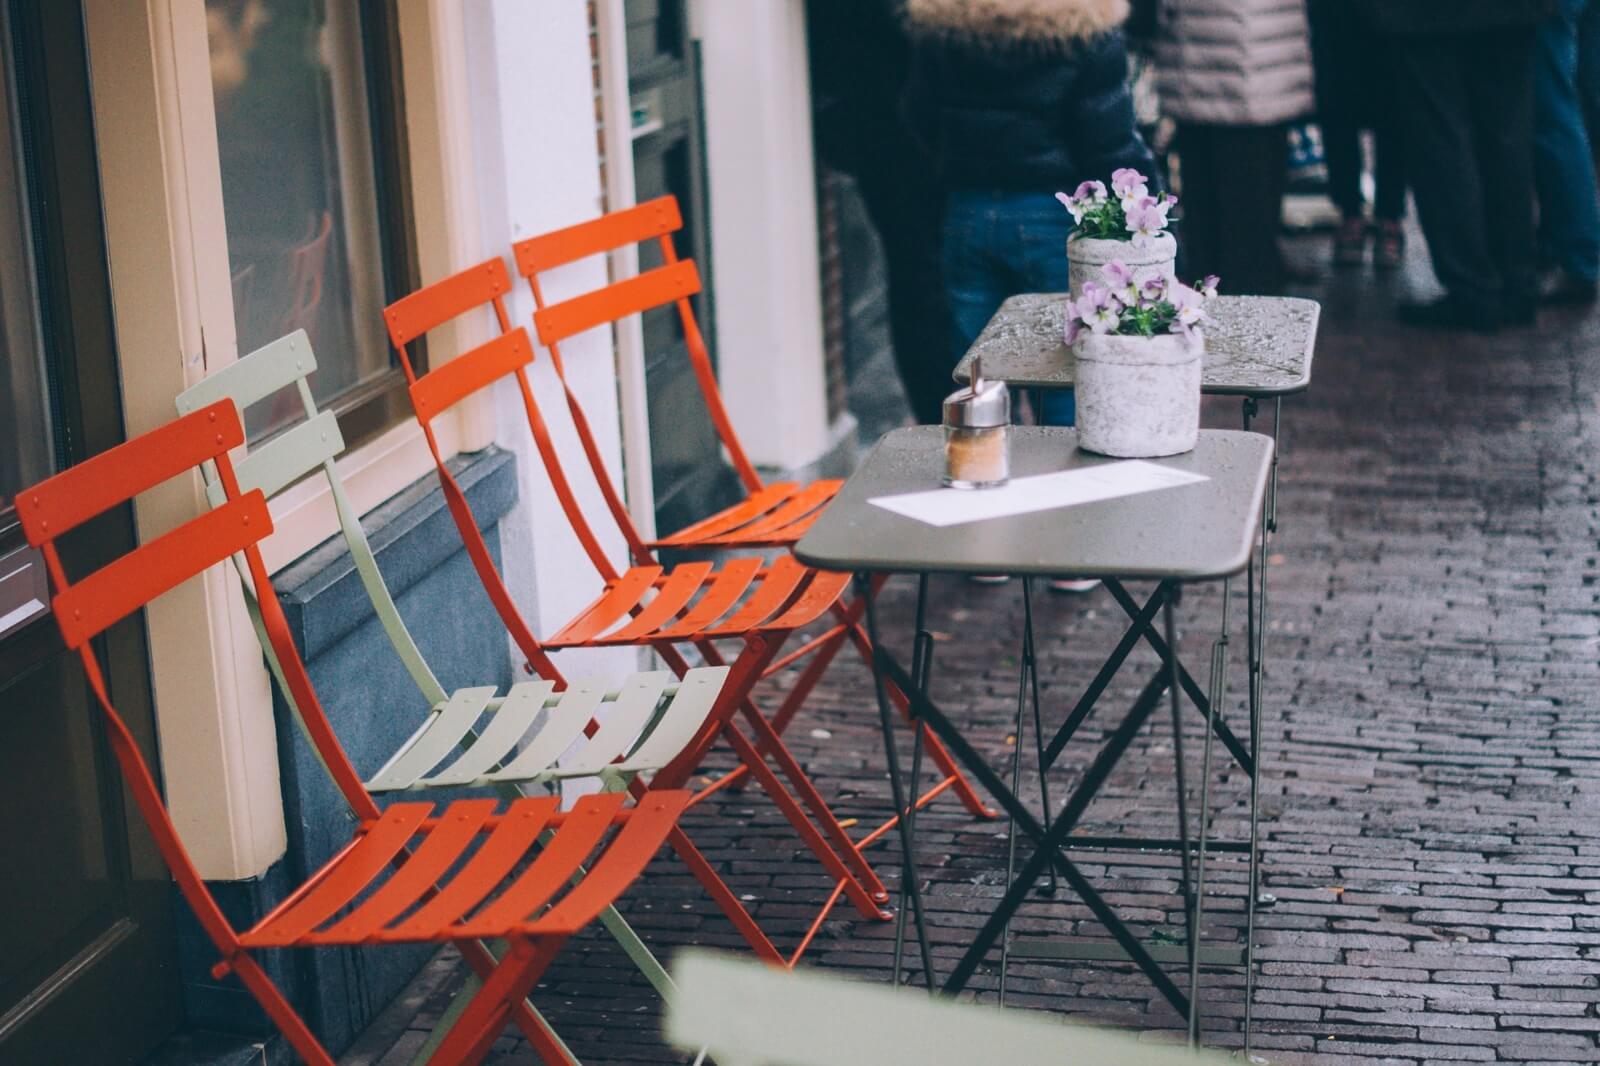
[225, 967]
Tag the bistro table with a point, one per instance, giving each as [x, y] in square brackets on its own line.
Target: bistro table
[1258, 348]
[1196, 532]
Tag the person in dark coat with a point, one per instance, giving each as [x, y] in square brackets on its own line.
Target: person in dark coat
[1464, 91]
[1233, 74]
[1017, 99]
[860, 59]
[1355, 91]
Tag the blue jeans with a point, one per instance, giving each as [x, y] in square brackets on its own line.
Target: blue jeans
[998, 244]
[1566, 79]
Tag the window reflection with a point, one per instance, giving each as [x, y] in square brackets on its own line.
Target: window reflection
[298, 186]
[25, 437]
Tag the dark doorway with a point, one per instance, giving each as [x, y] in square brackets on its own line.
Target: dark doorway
[88, 968]
[691, 479]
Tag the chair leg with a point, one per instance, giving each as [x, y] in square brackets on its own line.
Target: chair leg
[859, 894]
[503, 990]
[529, 1021]
[724, 897]
[844, 861]
[277, 1007]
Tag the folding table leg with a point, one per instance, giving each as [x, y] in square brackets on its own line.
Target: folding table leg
[1256, 626]
[1047, 844]
[909, 886]
[1027, 692]
[1218, 693]
[921, 671]
[1253, 681]
[1191, 687]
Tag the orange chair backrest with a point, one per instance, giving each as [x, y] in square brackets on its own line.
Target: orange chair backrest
[672, 283]
[507, 355]
[89, 606]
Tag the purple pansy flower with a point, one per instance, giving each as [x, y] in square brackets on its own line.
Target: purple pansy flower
[1074, 326]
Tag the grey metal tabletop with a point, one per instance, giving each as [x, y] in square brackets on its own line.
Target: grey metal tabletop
[1199, 531]
[1255, 345]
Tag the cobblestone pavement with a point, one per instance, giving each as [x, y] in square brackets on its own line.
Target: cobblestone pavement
[1431, 734]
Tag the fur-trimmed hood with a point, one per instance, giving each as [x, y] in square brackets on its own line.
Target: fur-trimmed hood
[1042, 25]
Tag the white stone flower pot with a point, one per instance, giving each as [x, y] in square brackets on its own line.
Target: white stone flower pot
[1138, 397]
[1086, 255]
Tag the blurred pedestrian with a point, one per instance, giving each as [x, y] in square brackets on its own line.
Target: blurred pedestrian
[860, 59]
[1569, 206]
[1464, 71]
[1354, 92]
[1019, 99]
[1234, 74]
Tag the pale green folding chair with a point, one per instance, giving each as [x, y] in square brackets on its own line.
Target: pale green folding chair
[471, 737]
[747, 1014]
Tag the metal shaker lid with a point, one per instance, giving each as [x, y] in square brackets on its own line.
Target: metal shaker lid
[981, 405]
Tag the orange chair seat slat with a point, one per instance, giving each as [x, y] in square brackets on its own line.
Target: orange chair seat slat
[412, 316]
[824, 591]
[727, 586]
[745, 511]
[777, 586]
[513, 904]
[551, 870]
[798, 506]
[653, 288]
[653, 218]
[674, 594]
[467, 373]
[519, 827]
[440, 850]
[620, 597]
[792, 532]
[94, 486]
[121, 587]
[626, 858]
[355, 870]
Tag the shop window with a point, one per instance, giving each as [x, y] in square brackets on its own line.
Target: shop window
[308, 131]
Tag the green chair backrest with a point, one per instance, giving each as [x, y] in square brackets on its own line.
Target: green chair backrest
[285, 458]
[746, 1013]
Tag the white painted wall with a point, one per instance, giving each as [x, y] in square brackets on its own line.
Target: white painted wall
[156, 139]
[538, 168]
[764, 226]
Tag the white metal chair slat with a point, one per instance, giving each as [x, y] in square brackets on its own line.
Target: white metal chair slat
[509, 725]
[574, 709]
[621, 725]
[272, 466]
[439, 735]
[697, 694]
[253, 377]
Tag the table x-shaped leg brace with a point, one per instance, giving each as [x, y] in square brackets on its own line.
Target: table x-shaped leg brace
[1050, 841]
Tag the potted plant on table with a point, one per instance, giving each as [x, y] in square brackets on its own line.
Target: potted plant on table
[1137, 336]
[1125, 224]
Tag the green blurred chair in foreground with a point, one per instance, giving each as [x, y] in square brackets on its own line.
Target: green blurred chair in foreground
[747, 1014]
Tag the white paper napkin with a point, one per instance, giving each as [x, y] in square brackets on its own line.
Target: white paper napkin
[1046, 492]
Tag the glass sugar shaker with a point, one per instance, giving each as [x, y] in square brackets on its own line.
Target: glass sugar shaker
[977, 434]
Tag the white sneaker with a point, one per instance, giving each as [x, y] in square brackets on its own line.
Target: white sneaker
[988, 579]
[1067, 584]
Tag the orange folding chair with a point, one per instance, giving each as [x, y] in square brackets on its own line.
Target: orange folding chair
[748, 600]
[414, 873]
[775, 515]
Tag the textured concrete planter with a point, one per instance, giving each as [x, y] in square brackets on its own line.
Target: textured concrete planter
[1085, 257]
[1138, 397]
